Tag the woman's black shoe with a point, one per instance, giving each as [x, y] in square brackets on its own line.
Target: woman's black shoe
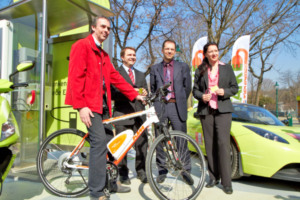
[228, 190]
[212, 183]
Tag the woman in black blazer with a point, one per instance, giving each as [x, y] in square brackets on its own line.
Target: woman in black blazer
[214, 84]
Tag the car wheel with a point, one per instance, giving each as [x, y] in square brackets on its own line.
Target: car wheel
[235, 174]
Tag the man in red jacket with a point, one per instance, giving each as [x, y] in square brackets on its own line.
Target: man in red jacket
[90, 76]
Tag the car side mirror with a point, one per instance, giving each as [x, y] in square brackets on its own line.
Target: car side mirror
[285, 121]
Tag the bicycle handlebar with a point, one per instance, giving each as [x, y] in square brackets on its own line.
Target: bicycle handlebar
[19, 85]
[162, 91]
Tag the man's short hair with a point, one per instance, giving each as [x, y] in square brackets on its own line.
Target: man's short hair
[168, 40]
[124, 49]
[95, 20]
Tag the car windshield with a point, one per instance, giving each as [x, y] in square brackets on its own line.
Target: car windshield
[254, 114]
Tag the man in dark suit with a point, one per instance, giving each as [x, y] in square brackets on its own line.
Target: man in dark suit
[124, 106]
[175, 105]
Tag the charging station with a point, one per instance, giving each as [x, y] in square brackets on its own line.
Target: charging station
[44, 31]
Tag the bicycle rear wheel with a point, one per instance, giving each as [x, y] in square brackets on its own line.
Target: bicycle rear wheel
[51, 163]
[183, 180]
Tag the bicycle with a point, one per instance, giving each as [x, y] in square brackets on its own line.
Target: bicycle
[62, 161]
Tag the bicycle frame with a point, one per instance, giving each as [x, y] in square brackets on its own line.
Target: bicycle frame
[152, 118]
[185, 172]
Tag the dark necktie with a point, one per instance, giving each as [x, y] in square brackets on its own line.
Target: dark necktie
[167, 80]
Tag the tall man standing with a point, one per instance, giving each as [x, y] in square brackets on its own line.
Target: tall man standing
[90, 76]
[124, 106]
[175, 102]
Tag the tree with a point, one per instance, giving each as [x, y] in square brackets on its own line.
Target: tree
[225, 21]
[135, 21]
[291, 81]
[266, 102]
[252, 84]
[283, 22]
[269, 25]
[145, 24]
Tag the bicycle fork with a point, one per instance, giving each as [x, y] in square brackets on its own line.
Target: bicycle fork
[170, 145]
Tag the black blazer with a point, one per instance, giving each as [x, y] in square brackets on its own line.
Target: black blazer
[182, 85]
[227, 81]
[122, 104]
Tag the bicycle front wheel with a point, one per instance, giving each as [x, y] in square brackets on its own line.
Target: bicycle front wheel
[54, 168]
[183, 172]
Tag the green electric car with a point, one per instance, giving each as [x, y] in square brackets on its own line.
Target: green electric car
[260, 145]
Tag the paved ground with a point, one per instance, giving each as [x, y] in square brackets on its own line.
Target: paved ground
[247, 188]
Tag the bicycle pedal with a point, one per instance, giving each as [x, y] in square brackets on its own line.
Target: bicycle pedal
[106, 192]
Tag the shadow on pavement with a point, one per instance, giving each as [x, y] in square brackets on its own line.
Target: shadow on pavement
[290, 197]
[20, 190]
[269, 183]
[142, 192]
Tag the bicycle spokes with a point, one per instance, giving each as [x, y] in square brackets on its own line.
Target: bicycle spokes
[184, 172]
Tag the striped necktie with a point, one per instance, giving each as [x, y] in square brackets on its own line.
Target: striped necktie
[131, 75]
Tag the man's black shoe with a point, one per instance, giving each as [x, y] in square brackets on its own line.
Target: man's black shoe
[118, 188]
[187, 178]
[228, 189]
[161, 178]
[212, 183]
[125, 180]
[142, 176]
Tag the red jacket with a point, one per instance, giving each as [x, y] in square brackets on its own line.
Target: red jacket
[85, 80]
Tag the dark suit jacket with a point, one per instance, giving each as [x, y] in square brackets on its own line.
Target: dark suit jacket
[122, 104]
[227, 81]
[181, 81]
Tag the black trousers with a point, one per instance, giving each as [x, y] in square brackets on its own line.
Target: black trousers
[216, 130]
[99, 135]
[140, 146]
[172, 116]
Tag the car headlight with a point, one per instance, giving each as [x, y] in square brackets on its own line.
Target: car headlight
[8, 128]
[266, 134]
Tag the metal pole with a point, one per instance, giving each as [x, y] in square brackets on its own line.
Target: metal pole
[178, 51]
[277, 101]
[42, 82]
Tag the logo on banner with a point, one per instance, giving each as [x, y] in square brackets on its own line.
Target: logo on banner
[240, 66]
[198, 58]
[237, 60]
[239, 63]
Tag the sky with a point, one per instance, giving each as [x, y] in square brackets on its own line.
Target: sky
[282, 60]
[3, 3]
